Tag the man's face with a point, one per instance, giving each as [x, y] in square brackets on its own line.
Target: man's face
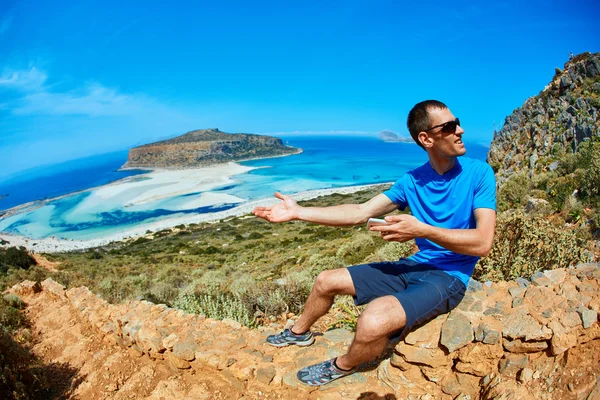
[445, 144]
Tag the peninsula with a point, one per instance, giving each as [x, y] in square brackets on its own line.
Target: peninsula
[205, 147]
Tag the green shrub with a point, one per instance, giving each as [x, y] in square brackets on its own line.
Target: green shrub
[392, 251]
[356, 249]
[514, 192]
[524, 245]
[10, 317]
[16, 258]
[161, 293]
[346, 313]
[13, 301]
[217, 305]
[319, 262]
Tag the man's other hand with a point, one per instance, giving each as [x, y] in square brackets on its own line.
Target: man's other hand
[287, 210]
[402, 228]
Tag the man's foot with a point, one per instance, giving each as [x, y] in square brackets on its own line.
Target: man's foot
[323, 373]
[288, 337]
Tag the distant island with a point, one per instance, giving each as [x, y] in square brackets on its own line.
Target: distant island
[204, 147]
[389, 136]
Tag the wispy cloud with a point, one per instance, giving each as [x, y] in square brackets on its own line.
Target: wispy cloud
[93, 99]
[28, 80]
[5, 24]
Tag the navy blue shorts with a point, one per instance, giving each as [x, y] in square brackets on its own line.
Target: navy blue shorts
[424, 291]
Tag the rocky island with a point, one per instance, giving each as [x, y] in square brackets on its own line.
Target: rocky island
[389, 136]
[204, 147]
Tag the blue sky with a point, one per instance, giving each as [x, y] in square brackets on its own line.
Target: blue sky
[86, 77]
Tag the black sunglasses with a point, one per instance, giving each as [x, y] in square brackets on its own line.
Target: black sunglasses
[447, 127]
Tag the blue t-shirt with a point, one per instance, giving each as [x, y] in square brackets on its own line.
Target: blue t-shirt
[446, 201]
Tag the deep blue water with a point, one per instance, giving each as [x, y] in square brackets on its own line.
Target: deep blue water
[56, 180]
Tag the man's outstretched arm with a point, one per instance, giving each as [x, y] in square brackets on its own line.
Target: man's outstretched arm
[340, 215]
[473, 242]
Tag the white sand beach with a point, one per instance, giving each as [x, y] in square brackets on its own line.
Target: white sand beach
[141, 190]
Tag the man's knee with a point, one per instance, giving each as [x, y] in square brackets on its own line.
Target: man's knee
[382, 317]
[335, 281]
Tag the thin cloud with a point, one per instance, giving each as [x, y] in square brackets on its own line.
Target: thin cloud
[5, 24]
[93, 99]
[31, 79]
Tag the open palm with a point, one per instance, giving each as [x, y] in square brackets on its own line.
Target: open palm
[287, 210]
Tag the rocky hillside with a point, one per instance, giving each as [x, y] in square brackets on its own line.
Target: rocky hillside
[523, 339]
[203, 147]
[558, 119]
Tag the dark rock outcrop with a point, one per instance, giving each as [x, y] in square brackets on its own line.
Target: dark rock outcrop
[560, 117]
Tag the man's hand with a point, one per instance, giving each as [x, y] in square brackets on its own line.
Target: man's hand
[287, 210]
[402, 228]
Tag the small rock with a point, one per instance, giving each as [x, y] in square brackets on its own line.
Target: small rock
[177, 362]
[338, 336]
[557, 276]
[525, 375]
[290, 379]
[457, 331]
[512, 364]
[185, 349]
[417, 355]
[522, 325]
[519, 346]
[517, 301]
[587, 316]
[491, 336]
[539, 279]
[522, 282]
[474, 286]
[517, 291]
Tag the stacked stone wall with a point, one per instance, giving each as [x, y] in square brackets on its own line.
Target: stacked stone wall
[502, 336]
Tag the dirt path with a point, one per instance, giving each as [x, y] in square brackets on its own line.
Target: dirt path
[94, 368]
[45, 263]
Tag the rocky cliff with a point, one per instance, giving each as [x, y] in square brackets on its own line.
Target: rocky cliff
[523, 339]
[560, 117]
[204, 147]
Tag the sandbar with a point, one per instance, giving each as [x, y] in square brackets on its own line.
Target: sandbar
[54, 245]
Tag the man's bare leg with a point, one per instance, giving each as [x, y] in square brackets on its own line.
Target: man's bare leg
[327, 285]
[382, 317]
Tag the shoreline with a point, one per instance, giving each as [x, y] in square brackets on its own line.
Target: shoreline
[54, 245]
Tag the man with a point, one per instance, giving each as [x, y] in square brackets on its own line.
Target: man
[453, 220]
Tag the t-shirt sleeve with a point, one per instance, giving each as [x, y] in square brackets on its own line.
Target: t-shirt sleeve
[397, 193]
[485, 190]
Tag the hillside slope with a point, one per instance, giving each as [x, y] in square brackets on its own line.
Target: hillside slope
[558, 119]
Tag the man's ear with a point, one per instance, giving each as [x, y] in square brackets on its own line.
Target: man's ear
[425, 139]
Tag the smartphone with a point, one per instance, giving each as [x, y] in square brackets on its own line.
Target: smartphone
[376, 221]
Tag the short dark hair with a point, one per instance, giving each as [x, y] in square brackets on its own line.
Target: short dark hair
[418, 118]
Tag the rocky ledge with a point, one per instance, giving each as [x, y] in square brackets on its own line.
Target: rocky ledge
[525, 339]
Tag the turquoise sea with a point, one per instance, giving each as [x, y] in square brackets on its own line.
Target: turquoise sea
[326, 162]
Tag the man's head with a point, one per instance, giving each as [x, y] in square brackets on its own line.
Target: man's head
[432, 126]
